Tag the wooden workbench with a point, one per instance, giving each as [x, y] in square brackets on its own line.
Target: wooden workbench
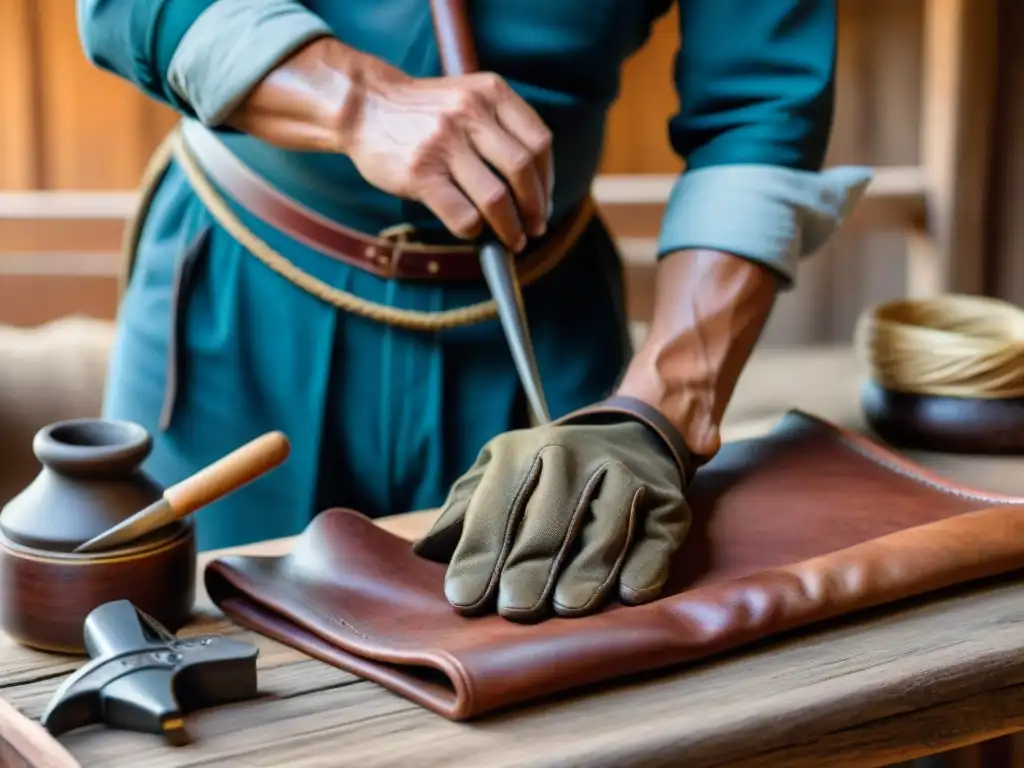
[878, 689]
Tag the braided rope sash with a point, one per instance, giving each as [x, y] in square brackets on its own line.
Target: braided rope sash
[534, 268]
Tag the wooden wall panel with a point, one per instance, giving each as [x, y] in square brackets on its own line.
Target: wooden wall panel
[19, 116]
[96, 131]
[90, 130]
[30, 300]
[65, 124]
[1006, 222]
[876, 123]
[71, 126]
[637, 137]
[878, 103]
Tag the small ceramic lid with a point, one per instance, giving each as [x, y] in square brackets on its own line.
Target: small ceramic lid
[90, 481]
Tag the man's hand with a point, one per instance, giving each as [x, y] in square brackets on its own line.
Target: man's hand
[432, 140]
[468, 148]
[558, 518]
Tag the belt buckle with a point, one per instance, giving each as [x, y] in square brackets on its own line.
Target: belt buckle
[399, 237]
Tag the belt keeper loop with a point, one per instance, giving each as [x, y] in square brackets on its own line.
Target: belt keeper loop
[396, 236]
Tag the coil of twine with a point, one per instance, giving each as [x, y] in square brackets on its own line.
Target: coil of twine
[951, 346]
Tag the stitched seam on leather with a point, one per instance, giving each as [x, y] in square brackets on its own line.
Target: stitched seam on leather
[911, 475]
[341, 622]
[303, 600]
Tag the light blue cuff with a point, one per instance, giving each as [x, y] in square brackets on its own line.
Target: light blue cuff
[231, 46]
[765, 213]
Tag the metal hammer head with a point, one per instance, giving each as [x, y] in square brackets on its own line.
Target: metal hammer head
[143, 678]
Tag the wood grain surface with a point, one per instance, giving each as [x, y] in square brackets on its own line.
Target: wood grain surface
[887, 686]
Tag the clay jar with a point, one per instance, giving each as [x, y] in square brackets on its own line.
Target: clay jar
[90, 480]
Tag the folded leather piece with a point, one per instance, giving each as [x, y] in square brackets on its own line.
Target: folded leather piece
[795, 527]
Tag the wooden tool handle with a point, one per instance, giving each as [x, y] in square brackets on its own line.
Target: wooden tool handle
[454, 37]
[228, 474]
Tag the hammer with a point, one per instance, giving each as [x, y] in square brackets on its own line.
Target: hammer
[458, 57]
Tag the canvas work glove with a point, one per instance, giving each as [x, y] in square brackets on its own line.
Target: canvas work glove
[558, 518]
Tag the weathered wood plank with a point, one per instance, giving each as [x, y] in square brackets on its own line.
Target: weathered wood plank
[19, 95]
[27, 747]
[924, 733]
[852, 685]
[893, 684]
[956, 127]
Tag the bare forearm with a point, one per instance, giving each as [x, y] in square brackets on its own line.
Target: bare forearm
[468, 147]
[710, 311]
[310, 101]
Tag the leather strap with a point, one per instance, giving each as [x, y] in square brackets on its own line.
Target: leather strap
[387, 257]
[533, 268]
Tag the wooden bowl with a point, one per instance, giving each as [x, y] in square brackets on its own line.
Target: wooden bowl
[963, 425]
[46, 595]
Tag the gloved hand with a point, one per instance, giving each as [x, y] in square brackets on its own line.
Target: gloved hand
[558, 518]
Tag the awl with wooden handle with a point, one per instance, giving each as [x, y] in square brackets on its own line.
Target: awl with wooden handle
[458, 57]
[224, 476]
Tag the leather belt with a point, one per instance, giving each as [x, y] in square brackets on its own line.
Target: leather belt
[389, 256]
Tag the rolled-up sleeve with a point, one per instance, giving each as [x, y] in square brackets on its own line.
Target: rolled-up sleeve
[756, 83]
[199, 56]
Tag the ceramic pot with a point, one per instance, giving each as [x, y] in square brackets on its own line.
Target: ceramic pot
[90, 480]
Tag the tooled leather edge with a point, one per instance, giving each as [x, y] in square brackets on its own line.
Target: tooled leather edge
[647, 415]
[847, 581]
[894, 462]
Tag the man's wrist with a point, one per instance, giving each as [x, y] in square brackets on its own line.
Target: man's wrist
[710, 310]
[621, 408]
[232, 45]
[314, 101]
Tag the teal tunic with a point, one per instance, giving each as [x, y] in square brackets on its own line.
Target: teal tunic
[383, 419]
